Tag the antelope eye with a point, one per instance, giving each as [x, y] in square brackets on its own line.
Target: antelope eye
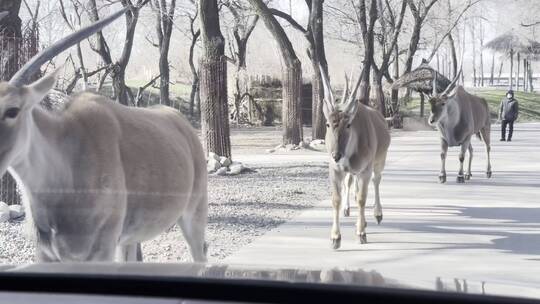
[11, 113]
[328, 125]
[348, 126]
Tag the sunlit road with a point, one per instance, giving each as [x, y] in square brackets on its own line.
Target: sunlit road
[485, 230]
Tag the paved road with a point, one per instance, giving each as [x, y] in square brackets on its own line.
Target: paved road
[484, 230]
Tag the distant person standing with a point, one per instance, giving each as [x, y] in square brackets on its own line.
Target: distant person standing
[508, 113]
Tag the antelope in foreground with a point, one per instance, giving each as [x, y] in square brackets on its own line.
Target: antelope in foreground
[357, 140]
[100, 177]
[458, 116]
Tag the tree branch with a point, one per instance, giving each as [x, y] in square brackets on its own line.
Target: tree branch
[289, 19]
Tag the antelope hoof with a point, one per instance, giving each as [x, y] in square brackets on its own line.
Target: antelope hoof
[379, 219]
[460, 179]
[488, 174]
[468, 176]
[363, 238]
[336, 243]
[442, 179]
[347, 211]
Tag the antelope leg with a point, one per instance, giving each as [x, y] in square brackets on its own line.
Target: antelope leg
[336, 181]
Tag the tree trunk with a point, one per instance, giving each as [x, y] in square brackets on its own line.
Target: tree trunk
[525, 82]
[292, 76]
[193, 97]
[481, 67]
[213, 82]
[395, 93]
[491, 76]
[369, 49]
[518, 61]
[118, 69]
[379, 95]
[511, 76]
[318, 57]
[530, 72]
[413, 46]
[318, 121]
[481, 53]
[473, 32]
[194, 74]
[454, 56]
[291, 110]
[10, 35]
[422, 105]
[500, 72]
[241, 86]
[214, 107]
[164, 78]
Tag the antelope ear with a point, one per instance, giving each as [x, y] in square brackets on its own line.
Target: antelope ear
[40, 88]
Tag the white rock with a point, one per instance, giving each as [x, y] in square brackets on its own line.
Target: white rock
[236, 168]
[16, 212]
[212, 165]
[4, 212]
[225, 161]
[213, 155]
[289, 147]
[221, 171]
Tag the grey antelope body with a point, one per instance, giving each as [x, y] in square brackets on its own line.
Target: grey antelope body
[100, 177]
[458, 117]
[357, 139]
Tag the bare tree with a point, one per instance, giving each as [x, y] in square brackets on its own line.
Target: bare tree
[164, 25]
[291, 79]
[419, 10]
[314, 34]
[473, 37]
[390, 29]
[74, 23]
[117, 69]
[213, 87]
[10, 31]
[190, 11]
[366, 29]
[481, 35]
[243, 25]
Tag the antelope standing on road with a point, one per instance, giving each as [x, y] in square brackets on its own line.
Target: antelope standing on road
[458, 116]
[100, 177]
[357, 139]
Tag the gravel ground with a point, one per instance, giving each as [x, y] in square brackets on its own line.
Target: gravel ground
[240, 211]
[241, 208]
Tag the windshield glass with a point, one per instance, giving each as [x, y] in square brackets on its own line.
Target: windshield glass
[378, 143]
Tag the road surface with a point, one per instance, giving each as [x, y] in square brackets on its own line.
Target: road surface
[487, 230]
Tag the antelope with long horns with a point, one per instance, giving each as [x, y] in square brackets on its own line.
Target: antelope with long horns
[100, 177]
[357, 139]
[459, 115]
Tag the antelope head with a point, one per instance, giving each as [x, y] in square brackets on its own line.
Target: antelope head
[438, 101]
[339, 119]
[18, 98]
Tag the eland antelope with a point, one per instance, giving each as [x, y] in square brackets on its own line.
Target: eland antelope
[100, 177]
[357, 140]
[458, 116]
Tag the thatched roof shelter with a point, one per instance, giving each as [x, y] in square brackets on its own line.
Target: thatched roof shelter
[421, 80]
[513, 42]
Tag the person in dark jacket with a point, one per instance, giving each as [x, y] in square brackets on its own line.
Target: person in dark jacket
[508, 113]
